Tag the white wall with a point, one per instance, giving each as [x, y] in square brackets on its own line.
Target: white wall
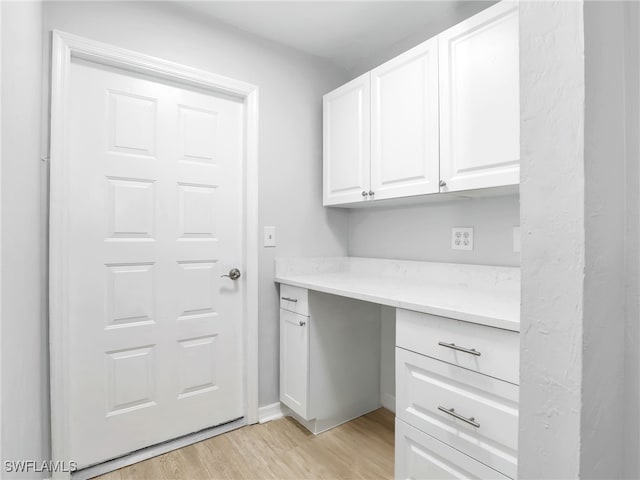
[423, 232]
[632, 260]
[603, 379]
[25, 424]
[433, 25]
[552, 223]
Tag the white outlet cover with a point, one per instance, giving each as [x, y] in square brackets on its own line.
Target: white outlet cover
[462, 238]
[269, 237]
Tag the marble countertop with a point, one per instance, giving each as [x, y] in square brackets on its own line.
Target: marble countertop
[474, 293]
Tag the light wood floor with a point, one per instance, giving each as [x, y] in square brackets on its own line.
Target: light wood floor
[281, 449]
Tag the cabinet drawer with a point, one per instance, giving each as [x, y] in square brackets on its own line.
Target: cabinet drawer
[294, 299]
[497, 351]
[473, 413]
[294, 362]
[420, 456]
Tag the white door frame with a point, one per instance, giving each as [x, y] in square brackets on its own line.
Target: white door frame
[66, 46]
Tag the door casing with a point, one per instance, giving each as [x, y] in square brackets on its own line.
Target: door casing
[65, 47]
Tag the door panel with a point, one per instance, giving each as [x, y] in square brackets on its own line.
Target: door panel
[155, 180]
[404, 124]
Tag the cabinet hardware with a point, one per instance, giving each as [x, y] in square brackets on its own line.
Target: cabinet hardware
[301, 323]
[471, 421]
[364, 194]
[453, 346]
[371, 193]
[289, 299]
[443, 183]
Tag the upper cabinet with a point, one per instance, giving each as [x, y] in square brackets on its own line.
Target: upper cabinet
[441, 117]
[404, 124]
[346, 143]
[480, 101]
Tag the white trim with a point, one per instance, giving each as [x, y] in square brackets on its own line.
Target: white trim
[388, 401]
[64, 47]
[155, 450]
[273, 412]
[1, 159]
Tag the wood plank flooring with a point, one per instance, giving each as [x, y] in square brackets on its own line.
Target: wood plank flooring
[281, 449]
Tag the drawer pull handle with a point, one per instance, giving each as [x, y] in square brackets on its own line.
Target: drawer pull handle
[289, 299]
[301, 323]
[472, 351]
[471, 421]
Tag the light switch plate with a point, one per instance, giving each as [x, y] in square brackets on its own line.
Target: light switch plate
[269, 236]
[516, 239]
[462, 238]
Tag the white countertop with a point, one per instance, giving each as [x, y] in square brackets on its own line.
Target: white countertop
[474, 293]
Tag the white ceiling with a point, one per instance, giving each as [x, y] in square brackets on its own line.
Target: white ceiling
[344, 32]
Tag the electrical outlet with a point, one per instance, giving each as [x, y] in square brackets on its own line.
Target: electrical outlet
[462, 238]
[269, 237]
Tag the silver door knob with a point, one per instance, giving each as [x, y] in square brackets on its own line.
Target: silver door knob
[443, 183]
[234, 274]
[364, 194]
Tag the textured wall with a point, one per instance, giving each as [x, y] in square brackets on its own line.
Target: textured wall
[632, 258]
[552, 222]
[602, 415]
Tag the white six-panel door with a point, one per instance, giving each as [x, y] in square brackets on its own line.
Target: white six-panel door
[404, 124]
[155, 184]
[480, 100]
[346, 144]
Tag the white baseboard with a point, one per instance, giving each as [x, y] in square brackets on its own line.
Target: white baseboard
[388, 401]
[272, 412]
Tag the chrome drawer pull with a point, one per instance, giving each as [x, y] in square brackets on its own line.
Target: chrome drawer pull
[472, 351]
[289, 299]
[471, 421]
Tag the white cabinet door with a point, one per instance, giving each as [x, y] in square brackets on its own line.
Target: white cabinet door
[294, 362]
[404, 124]
[479, 101]
[420, 456]
[346, 143]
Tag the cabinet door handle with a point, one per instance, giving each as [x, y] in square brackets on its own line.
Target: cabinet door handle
[289, 299]
[471, 351]
[364, 194]
[301, 323]
[443, 183]
[450, 411]
[371, 193]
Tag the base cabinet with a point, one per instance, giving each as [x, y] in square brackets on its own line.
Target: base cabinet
[329, 358]
[456, 407]
[420, 456]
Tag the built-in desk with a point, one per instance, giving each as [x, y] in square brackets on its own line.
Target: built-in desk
[456, 355]
[474, 293]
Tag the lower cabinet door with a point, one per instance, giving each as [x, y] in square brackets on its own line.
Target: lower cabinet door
[294, 362]
[420, 456]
